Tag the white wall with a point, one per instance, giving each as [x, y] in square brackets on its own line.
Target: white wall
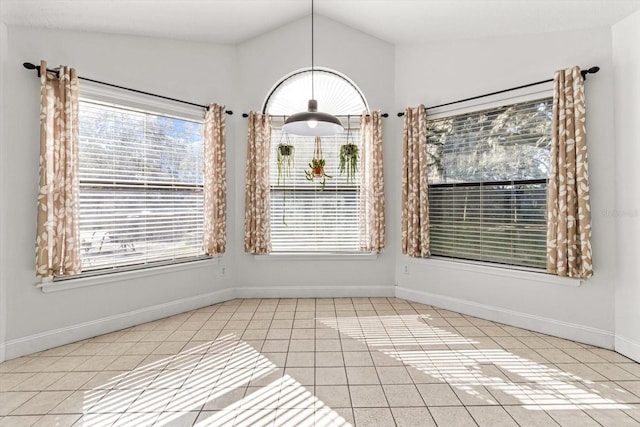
[369, 62]
[626, 216]
[200, 73]
[3, 141]
[437, 73]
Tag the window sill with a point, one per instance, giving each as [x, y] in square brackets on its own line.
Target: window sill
[309, 256]
[490, 269]
[47, 286]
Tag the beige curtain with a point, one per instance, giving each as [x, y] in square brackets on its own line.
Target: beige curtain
[57, 239]
[371, 222]
[257, 227]
[568, 210]
[415, 200]
[215, 184]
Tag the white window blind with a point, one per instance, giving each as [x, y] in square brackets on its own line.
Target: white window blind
[305, 218]
[141, 179]
[488, 173]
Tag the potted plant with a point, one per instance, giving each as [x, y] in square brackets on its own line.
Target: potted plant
[284, 156]
[316, 166]
[285, 152]
[349, 156]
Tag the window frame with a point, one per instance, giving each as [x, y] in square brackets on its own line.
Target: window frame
[121, 99]
[303, 253]
[470, 107]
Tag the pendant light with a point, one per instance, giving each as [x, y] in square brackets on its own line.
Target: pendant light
[312, 122]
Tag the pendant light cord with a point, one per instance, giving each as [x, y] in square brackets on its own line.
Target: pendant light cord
[312, 54]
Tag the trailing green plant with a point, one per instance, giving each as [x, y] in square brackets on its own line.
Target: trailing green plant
[285, 153]
[285, 160]
[349, 156]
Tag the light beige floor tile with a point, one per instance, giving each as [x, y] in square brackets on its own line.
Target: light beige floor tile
[59, 420]
[572, 418]
[373, 417]
[115, 401]
[400, 395]
[334, 395]
[19, 421]
[362, 375]
[367, 396]
[394, 375]
[452, 417]
[300, 360]
[304, 376]
[9, 401]
[329, 358]
[72, 381]
[144, 419]
[475, 395]
[412, 417]
[491, 416]
[632, 386]
[357, 358]
[304, 345]
[609, 418]
[612, 372]
[78, 402]
[530, 416]
[10, 380]
[41, 403]
[327, 344]
[438, 395]
[331, 376]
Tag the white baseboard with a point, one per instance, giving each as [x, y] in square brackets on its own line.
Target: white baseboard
[628, 348]
[545, 325]
[3, 352]
[314, 291]
[58, 337]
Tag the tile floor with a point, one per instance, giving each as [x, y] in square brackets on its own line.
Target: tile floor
[323, 362]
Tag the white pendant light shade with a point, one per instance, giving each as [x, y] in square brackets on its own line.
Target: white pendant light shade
[312, 122]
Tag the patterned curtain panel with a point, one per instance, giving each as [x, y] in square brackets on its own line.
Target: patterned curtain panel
[372, 228]
[257, 228]
[57, 239]
[215, 184]
[415, 188]
[568, 210]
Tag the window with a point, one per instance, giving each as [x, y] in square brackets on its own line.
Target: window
[488, 173]
[141, 187]
[305, 218]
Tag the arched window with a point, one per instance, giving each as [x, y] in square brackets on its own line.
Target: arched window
[310, 214]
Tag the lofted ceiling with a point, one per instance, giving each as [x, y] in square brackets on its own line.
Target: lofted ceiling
[395, 21]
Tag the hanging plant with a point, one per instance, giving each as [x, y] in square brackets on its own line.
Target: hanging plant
[349, 156]
[316, 166]
[285, 160]
[285, 152]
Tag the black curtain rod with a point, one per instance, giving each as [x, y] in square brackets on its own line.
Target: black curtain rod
[30, 66]
[245, 115]
[584, 73]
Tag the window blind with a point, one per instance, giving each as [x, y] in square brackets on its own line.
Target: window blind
[141, 180]
[488, 174]
[305, 218]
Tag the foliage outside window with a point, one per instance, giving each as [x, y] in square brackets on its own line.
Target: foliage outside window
[141, 187]
[488, 173]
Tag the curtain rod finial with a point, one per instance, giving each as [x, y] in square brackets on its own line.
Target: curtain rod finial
[29, 66]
